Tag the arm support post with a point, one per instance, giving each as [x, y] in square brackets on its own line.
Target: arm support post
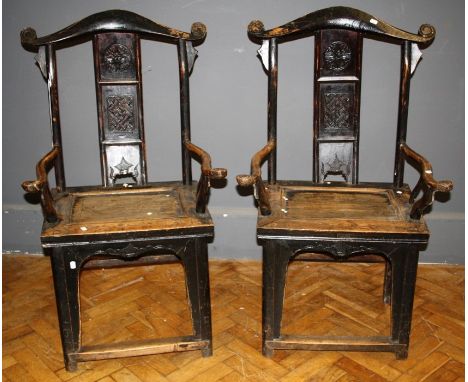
[41, 184]
[207, 173]
[427, 184]
[255, 178]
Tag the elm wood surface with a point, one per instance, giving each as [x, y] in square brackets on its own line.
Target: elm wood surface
[335, 217]
[355, 211]
[162, 209]
[128, 221]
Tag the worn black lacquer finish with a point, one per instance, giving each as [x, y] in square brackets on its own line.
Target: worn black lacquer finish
[113, 224]
[115, 20]
[340, 18]
[335, 217]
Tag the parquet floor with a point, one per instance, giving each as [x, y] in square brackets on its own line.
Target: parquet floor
[130, 303]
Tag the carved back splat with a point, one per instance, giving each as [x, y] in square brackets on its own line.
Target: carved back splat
[337, 84]
[120, 112]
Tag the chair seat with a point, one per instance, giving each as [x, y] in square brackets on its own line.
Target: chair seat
[163, 210]
[325, 210]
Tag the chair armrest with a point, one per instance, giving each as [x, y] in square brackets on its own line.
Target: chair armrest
[426, 182]
[212, 173]
[207, 173]
[41, 184]
[255, 178]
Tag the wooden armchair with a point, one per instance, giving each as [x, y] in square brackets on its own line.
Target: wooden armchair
[127, 220]
[343, 220]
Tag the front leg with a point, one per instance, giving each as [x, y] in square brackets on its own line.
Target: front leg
[66, 272]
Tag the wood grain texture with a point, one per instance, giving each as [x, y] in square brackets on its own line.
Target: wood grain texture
[167, 207]
[140, 301]
[314, 209]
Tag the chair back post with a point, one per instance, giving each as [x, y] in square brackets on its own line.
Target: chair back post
[272, 105]
[184, 73]
[403, 103]
[52, 88]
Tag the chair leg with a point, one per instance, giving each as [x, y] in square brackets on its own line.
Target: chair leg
[404, 269]
[195, 260]
[66, 278]
[387, 289]
[275, 263]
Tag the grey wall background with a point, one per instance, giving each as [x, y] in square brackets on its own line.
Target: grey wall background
[228, 94]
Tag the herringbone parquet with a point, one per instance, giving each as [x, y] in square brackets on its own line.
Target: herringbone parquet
[131, 303]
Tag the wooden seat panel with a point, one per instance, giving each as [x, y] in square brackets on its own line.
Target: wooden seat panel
[322, 204]
[323, 209]
[129, 206]
[119, 211]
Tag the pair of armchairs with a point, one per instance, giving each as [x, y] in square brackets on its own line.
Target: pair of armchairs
[129, 220]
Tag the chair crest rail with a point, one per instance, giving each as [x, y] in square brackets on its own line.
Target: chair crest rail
[340, 18]
[112, 21]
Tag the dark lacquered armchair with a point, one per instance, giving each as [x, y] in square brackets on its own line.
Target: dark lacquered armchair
[127, 220]
[335, 217]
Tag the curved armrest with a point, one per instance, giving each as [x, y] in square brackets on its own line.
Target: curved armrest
[41, 184]
[207, 173]
[212, 173]
[255, 178]
[426, 182]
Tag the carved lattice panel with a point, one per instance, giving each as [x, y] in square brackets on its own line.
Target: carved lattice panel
[120, 112]
[337, 111]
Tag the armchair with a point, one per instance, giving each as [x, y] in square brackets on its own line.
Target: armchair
[335, 217]
[127, 220]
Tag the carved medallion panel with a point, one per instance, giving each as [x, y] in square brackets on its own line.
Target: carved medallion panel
[337, 56]
[116, 56]
[337, 110]
[120, 112]
[339, 53]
